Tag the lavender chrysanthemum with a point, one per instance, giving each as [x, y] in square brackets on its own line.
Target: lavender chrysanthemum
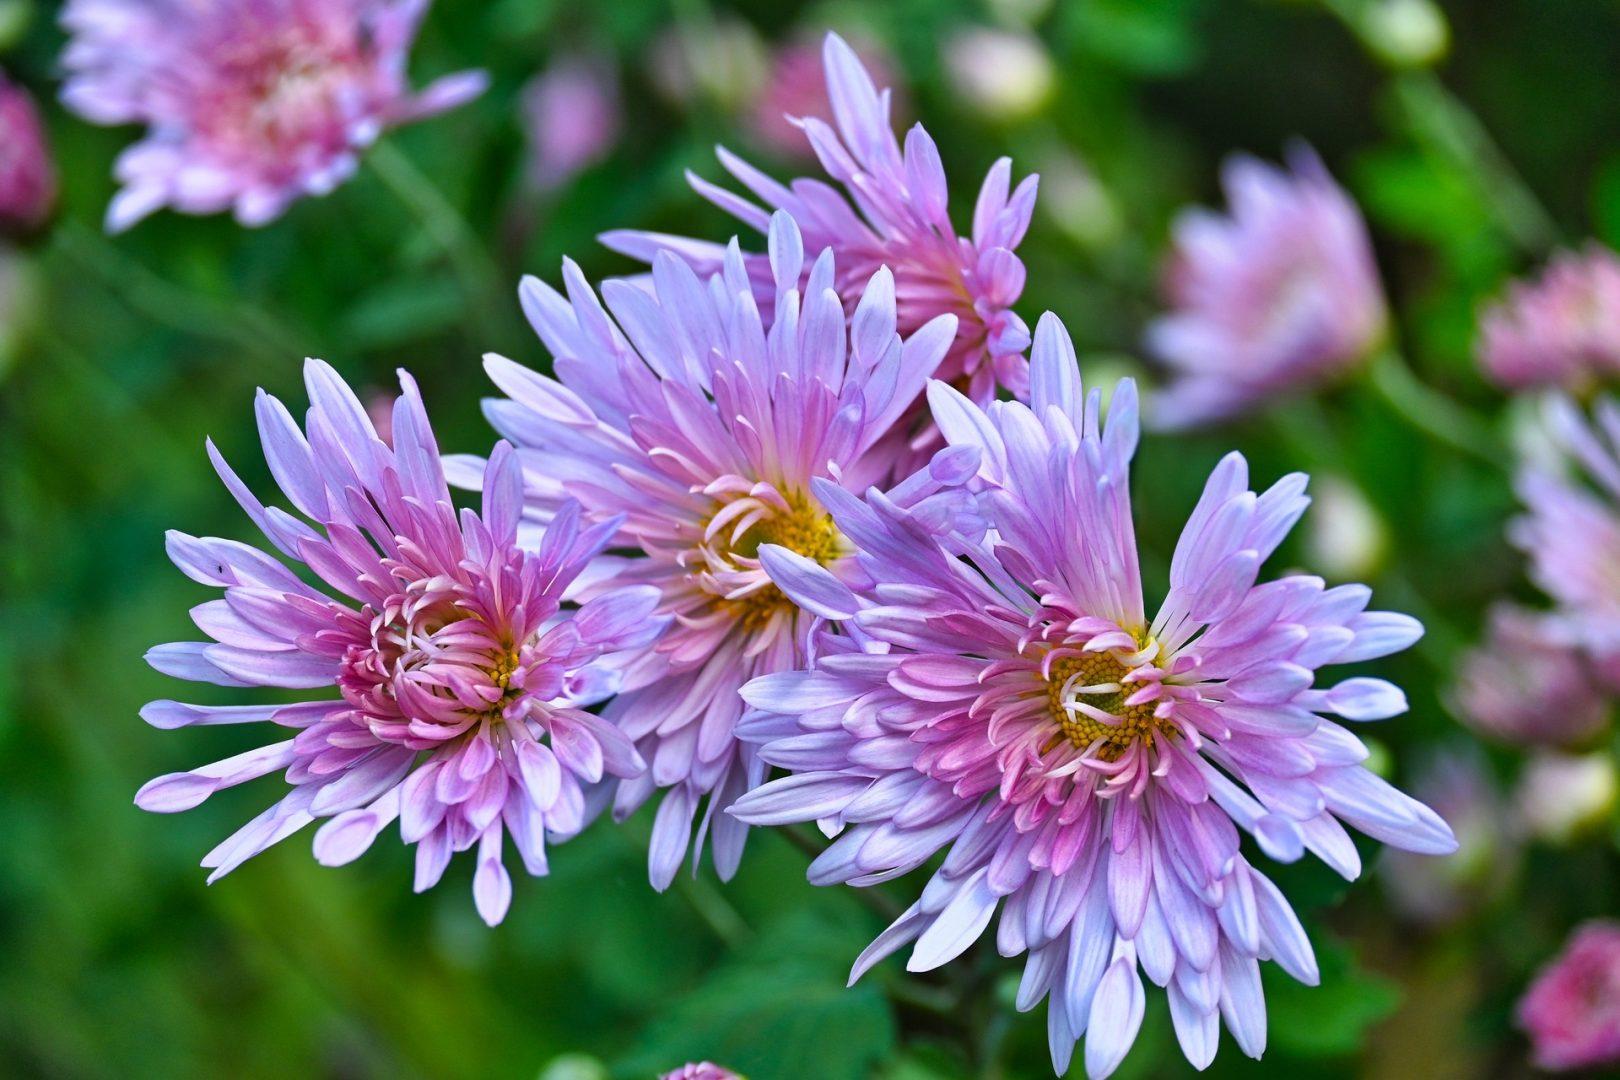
[899, 220]
[1280, 295]
[1572, 530]
[1527, 685]
[1561, 330]
[461, 676]
[248, 105]
[705, 429]
[993, 688]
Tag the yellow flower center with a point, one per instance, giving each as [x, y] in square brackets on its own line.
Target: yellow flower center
[803, 528]
[1096, 679]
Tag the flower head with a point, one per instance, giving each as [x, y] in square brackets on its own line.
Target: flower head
[27, 173]
[899, 221]
[1280, 295]
[460, 675]
[571, 111]
[995, 689]
[701, 1070]
[1572, 1010]
[705, 432]
[1560, 330]
[1525, 685]
[248, 106]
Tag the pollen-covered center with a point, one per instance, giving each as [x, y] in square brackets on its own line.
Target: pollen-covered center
[1078, 687]
[732, 540]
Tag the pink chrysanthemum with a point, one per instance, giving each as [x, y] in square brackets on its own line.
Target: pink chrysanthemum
[704, 430]
[796, 87]
[701, 1070]
[27, 173]
[995, 690]
[1560, 330]
[1527, 685]
[899, 220]
[248, 105]
[571, 113]
[1280, 295]
[461, 676]
[1572, 1011]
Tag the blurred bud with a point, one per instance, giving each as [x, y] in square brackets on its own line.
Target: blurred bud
[1004, 76]
[27, 174]
[571, 115]
[1561, 794]
[1406, 33]
[797, 86]
[1347, 540]
[1457, 785]
[574, 1067]
[1074, 200]
[1525, 685]
[723, 63]
[1572, 1011]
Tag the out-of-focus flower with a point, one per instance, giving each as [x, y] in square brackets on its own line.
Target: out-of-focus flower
[1458, 786]
[703, 426]
[461, 678]
[1560, 795]
[248, 105]
[1524, 685]
[1002, 75]
[1572, 530]
[1562, 329]
[701, 1070]
[1075, 200]
[1572, 1010]
[796, 88]
[571, 111]
[27, 173]
[1280, 295]
[1347, 538]
[724, 61]
[902, 224]
[995, 688]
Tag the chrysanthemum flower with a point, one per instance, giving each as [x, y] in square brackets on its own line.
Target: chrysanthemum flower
[1562, 329]
[1280, 295]
[27, 173]
[1572, 1011]
[1526, 685]
[796, 87]
[998, 692]
[248, 105]
[1572, 530]
[704, 430]
[460, 675]
[899, 220]
[701, 1070]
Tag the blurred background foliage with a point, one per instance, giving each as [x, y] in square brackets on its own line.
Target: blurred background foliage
[117, 961]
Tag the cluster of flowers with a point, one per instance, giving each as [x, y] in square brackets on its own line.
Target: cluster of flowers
[769, 512]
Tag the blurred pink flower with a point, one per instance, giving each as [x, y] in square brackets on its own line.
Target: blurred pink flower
[27, 174]
[249, 104]
[1572, 1010]
[1525, 684]
[700, 1070]
[1280, 294]
[571, 113]
[1562, 329]
[796, 87]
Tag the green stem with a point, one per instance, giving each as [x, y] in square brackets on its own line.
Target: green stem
[480, 278]
[1431, 412]
[171, 305]
[1442, 121]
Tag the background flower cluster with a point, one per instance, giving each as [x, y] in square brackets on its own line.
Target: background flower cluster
[1351, 238]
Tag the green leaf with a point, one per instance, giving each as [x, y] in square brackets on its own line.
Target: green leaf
[1330, 1019]
[778, 1010]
